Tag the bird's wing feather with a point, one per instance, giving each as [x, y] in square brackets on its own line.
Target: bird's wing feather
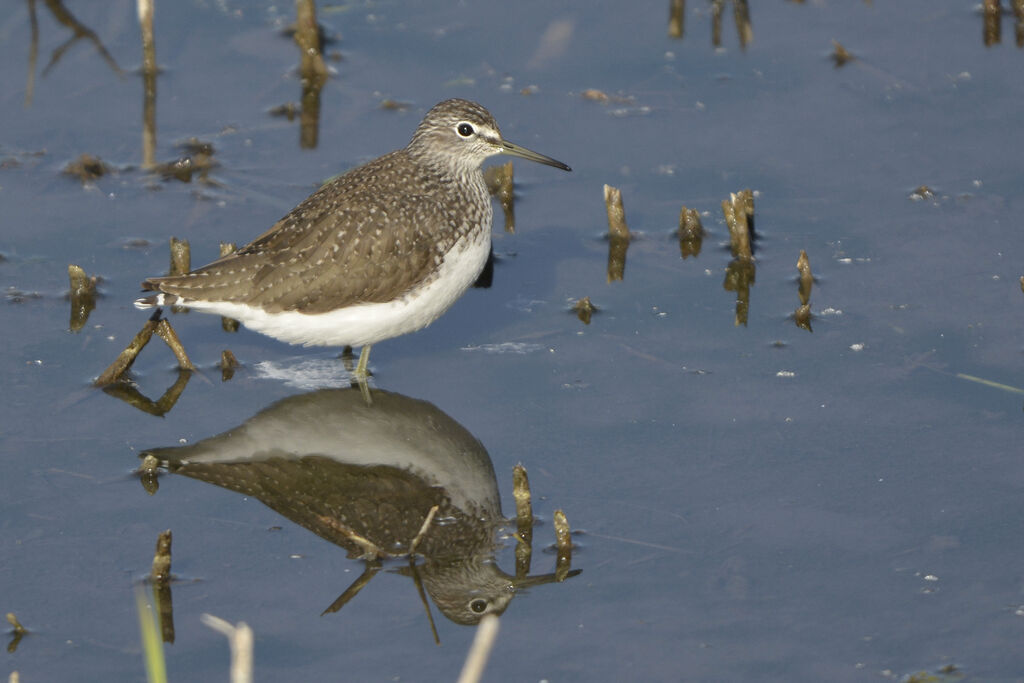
[341, 246]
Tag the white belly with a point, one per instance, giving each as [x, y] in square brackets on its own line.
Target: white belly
[368, 323]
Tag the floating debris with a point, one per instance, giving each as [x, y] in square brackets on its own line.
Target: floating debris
[288, 110]
[195, 146]
[594, 95]
[690, 232]
[135, 243]
[501, 184]
[921, 193]
[394, 105]
[82, 295]
[18, 296]
[584, 309]
[87, 168]
[840, 55]
[676, 18]
[188, 167]
[618, 233]
[946, 674]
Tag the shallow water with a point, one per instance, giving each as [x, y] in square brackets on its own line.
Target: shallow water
[751, 501]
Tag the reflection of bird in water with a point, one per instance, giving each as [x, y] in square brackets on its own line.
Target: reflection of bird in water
[366, 477]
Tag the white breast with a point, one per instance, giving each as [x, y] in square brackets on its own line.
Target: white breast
[373, 322]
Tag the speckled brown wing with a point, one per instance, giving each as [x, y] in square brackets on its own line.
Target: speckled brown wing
[336, 501]
[359, 239]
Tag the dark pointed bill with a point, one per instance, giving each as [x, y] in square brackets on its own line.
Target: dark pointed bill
[517, 151]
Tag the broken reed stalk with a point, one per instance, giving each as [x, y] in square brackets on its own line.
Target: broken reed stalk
[521, 493]
[125, 359]
[617, 227]
[480, 650]
[170, 337]
[181, 257]
[15, 624]
[423, 530]
[840, 55]
[690, 233]
[584, 310]
[992, 12]
[676, 18]
[161, 570]
[160, 577]
[803, 266]
[738, 210]
[501, 184]
[83, 296]
[81, 284]
[228, 364]
[618, 233]
[524, 520]
[563, 543]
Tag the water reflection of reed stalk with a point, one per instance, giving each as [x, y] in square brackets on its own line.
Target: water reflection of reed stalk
[676, 18]
[312, 70]
[741, 15]
[33, 52]
[149, 70]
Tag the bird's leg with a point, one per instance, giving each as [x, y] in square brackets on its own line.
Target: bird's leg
[361, 372]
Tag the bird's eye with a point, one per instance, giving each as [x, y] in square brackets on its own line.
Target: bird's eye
[479, 605]
[465, 130]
